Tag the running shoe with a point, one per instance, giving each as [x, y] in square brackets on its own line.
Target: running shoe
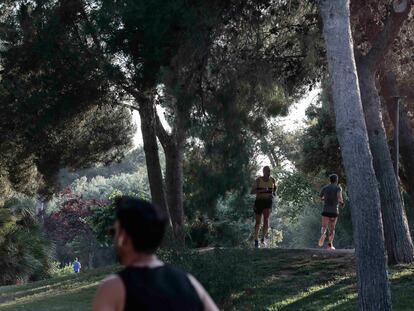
[331, 247]
[322, 240]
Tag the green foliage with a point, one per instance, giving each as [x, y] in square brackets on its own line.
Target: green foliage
[24, 248]
[103, 217]
[132, 163]
[221, 167]
[101, 220]
[56, 111]
[220, 232]
[296, 193]
[320, 147]
[57, 269]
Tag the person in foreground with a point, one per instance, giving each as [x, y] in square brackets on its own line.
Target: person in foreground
[265, 189]
[331, 196]
[146, 283]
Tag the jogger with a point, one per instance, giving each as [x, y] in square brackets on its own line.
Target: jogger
[331, 195]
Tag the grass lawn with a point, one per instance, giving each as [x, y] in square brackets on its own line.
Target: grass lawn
[238, 279]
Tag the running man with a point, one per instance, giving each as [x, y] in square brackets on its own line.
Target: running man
[331, 195]
[146, 283]
[265, 189]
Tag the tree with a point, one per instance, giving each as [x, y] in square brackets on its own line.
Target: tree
[50, 96]
[353, 139]
[133, 162]
[389, 92]
[398, 63]
[398, 241]
[70, 223]
[320, 150]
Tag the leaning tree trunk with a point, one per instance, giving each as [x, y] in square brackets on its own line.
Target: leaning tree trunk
[398, 241]
[389, 91]
[373, 285]
[147, 114]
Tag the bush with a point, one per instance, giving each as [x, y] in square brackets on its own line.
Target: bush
[25, 251]
[60, 270]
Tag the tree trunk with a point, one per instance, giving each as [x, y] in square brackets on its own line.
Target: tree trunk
[91, 252]
[147, 114]
[173, 145]
[174, 183]
[398, 241]
[389, 89]
[373, 285]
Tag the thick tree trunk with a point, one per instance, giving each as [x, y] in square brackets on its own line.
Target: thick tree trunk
[174, 182]
[373, 285]
[147, 114]
[398, 241]
[173, 145]
[389, 89]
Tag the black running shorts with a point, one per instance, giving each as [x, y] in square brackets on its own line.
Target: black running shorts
[261, 205]
[330, 215]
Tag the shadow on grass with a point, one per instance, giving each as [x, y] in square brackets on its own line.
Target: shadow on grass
[77, 298]
[298, 282]
[297, 292]
[238, 279]
[402, 289]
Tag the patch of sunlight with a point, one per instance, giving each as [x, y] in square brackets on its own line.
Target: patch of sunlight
[339, 302]
[304, 294]
[50, 293]
[400, 274]
[236, 295]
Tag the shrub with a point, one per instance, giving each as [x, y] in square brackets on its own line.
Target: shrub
[60, 270]
[25, 251]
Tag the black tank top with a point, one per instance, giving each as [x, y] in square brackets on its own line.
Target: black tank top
[161, 288]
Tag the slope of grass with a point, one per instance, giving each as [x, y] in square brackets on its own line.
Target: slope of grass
[238, 279]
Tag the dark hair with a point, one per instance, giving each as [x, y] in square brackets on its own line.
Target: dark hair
[143, 221]
[333, 178]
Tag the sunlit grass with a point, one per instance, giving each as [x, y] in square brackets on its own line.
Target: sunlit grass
[304, 294]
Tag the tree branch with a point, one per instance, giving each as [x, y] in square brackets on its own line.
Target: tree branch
[392, 26]
[129, 106]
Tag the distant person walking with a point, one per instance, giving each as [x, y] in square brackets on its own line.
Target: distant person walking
[76, 266]
[265, 189]
[331, 196]
[146, 283]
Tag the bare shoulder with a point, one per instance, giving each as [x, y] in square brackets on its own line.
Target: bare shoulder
[208, 303]
[112, 282]
[110, 294]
